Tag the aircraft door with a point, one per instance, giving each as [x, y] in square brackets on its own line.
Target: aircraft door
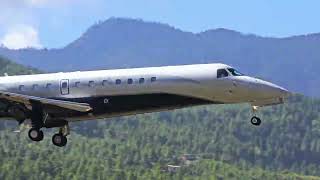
[232, 90]
[64, 86]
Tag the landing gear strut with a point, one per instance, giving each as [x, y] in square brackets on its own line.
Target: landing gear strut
[255, 120]
[38, 118]
[60, 139]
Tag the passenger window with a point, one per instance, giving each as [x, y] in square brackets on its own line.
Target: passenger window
[77, 84]
[130, 81]
[141, 80]
[153, 79]
[21, 87]
[221, 73]
[91, 83]
[48, 85]
[35, 87]
[104, 82]
[118, 81]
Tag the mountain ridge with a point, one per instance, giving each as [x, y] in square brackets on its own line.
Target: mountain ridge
[127, 43]
[213, 30]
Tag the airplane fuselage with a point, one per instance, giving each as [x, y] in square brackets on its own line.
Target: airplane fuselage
[140, 90]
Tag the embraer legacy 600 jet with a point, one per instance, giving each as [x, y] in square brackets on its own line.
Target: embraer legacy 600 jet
[54, 100]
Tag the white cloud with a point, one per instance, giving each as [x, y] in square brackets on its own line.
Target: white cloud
[22, 36]
[48, 3]
[33, 3]
[38, 2]
[36, 16]
[18, 19]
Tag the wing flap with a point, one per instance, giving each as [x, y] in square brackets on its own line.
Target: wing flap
[26, 99]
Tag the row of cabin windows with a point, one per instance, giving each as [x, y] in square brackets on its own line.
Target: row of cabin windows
[90, 84]
[35, 86]
[117, 82]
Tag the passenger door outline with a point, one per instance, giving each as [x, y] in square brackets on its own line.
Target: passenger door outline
[64, 86]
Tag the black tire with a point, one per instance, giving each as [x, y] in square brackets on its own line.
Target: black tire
[255, 121]
[59, 140]
[35, 134]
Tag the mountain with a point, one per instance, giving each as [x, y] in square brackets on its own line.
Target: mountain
[120, 43]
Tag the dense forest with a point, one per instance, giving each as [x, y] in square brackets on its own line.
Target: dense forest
[220, 138]
[140, 147]
[97, 158]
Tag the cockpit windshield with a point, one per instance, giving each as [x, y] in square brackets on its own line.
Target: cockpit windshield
[235, 72]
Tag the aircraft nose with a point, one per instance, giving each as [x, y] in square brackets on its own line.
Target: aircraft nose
[275, 90]
[280, 91]
[254, 88]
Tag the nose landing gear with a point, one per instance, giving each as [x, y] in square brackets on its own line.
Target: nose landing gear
[256, 121]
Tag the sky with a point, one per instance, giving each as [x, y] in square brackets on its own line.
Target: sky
[56, 23]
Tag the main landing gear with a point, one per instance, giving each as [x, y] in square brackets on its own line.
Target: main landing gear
[39, 120]
[60, 139]
[35, 134]
[256, 121]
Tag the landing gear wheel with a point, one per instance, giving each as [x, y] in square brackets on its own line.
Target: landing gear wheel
[59, 140]
[255, 121]
[35, 134]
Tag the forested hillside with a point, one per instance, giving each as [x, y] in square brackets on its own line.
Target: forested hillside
[141, 146]
[123, 43]
[12, 68]
[95, 158]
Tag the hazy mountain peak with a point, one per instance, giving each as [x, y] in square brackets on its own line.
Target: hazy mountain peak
[115, 29]
[221, 30]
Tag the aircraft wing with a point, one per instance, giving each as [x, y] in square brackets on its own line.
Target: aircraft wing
[25, 99]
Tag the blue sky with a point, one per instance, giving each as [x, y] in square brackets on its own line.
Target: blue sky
[55, 23]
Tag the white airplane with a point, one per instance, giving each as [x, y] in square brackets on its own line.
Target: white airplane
[54, 100]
